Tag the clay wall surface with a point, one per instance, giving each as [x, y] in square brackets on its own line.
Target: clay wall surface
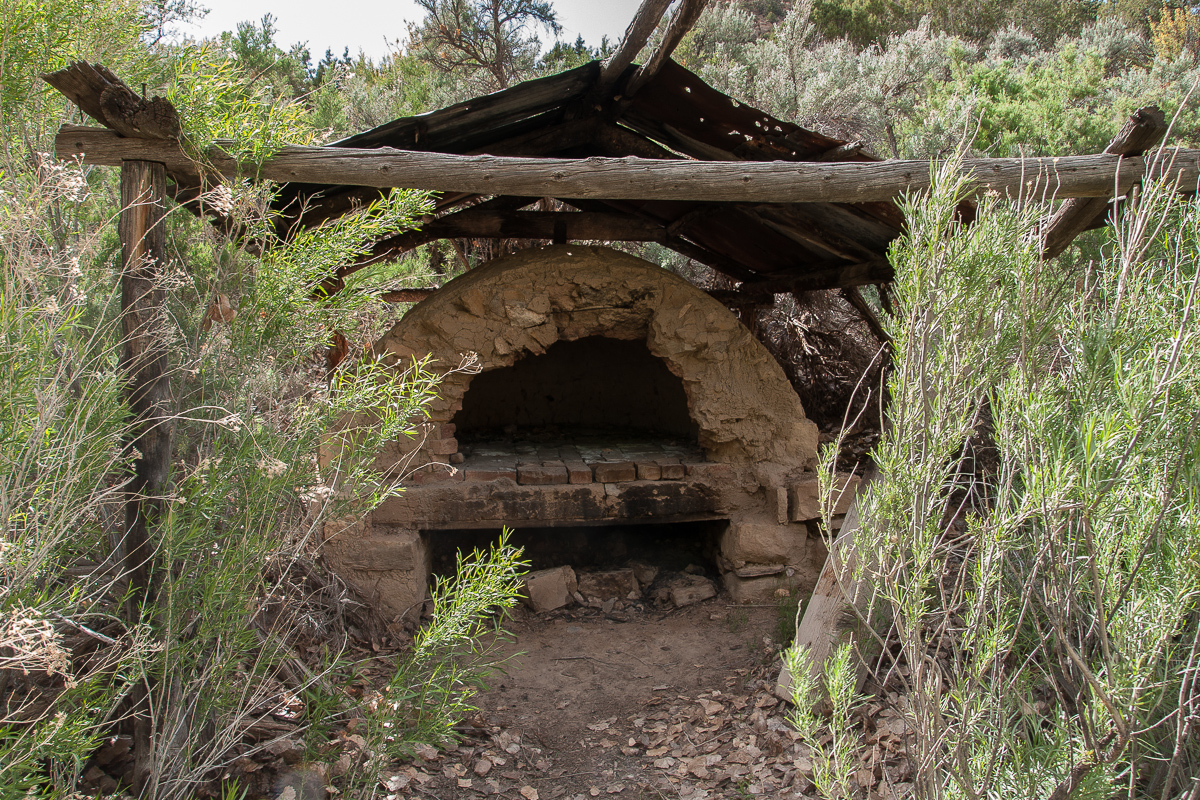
[754, 450]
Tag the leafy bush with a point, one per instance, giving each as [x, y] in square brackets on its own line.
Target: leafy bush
[1043, 603]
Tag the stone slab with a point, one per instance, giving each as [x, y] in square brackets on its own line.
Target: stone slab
[610, 584]
[490, 472]
[687, 590]
[756, 590]
[763, 543]
[672, 471]
[375, 552]
[710, 471]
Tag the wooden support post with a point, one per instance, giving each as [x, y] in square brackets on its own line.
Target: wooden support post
[1144, 129]
[144, 360]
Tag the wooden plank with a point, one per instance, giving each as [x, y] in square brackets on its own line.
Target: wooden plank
[681, 101]
[526, 99]
[617, 141]
[107, 99]
[1144, 129]
[801, 279]
[636, 178]
[640, 27]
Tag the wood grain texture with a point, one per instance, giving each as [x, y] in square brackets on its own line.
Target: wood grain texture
[144, 360]
[107, 99]
[636, 178]
[640, 27]
[1144, 129]
[682, 21]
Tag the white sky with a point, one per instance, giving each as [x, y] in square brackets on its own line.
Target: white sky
[366, 24]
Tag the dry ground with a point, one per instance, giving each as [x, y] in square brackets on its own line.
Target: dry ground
[670, 704]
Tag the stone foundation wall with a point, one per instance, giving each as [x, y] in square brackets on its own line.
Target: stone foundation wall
[757, 447]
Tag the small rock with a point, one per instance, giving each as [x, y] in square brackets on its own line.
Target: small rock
[482, 767]
[688, 589]
[548, 589]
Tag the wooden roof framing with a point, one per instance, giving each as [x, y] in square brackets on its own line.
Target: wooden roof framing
[773, 206]
[576, 114]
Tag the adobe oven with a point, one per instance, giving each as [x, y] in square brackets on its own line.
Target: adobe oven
[609, 392]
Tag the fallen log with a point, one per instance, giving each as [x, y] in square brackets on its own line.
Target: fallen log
[643, 179]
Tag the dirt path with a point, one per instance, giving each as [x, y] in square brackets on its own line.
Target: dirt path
[646, 704]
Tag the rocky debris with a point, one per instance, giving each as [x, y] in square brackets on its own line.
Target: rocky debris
[618, 584]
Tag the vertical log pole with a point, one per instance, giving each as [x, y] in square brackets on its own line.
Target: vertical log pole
[144, 361]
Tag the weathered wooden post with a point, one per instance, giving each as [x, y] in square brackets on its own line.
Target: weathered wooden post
[144, 360]
[144, 347]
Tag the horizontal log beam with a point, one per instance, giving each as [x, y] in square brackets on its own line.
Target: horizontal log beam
[562, 225]
[638, 179]
[848, 275]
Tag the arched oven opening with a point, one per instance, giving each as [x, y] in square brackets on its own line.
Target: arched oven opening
[592, 389]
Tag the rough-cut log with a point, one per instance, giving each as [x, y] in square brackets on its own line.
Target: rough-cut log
[144, 361]
[1144, 129]
[643, 24]
[681, 22]
[105, 97]
[635, 178]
